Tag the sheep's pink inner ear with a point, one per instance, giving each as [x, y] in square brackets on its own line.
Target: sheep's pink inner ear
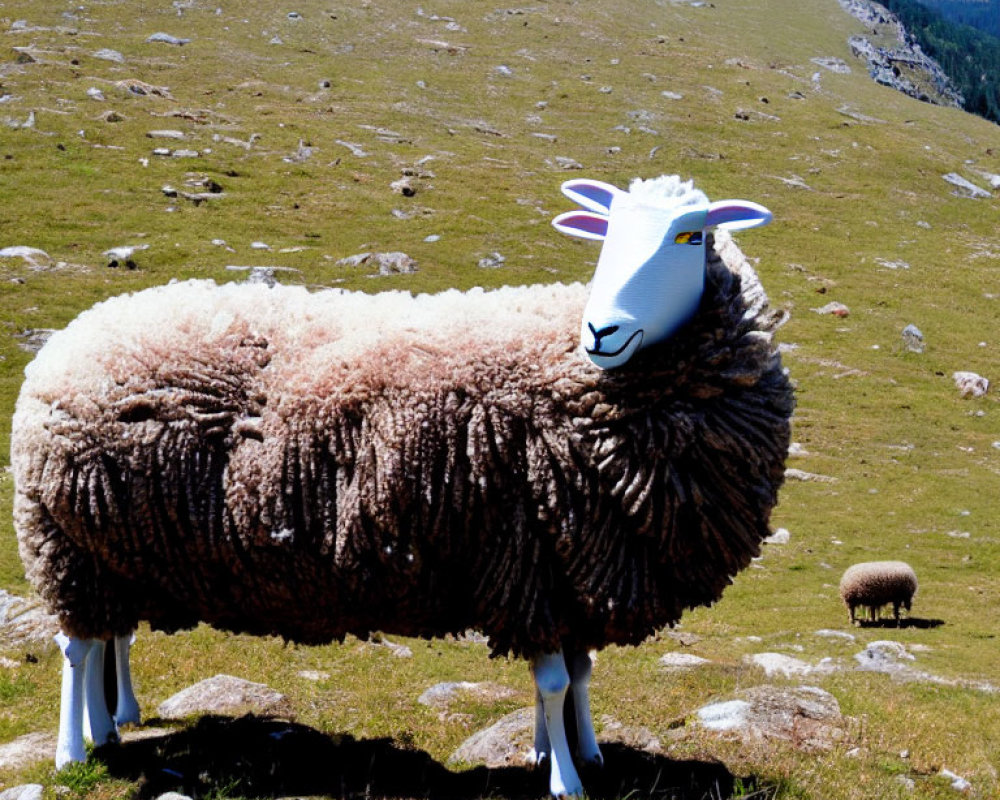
[735, 215]
[582, 224]
[591, 195]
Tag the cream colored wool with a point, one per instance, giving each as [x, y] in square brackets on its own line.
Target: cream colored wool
[275, 461]
[873, 584]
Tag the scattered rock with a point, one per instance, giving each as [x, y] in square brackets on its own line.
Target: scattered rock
[834, 309]
[28, 749]
[224, 694]
[811, 477]
[403, 186]
[32, 256]
[965, 188]
[837, 65]
[443, 695]
[492, 261]
[398, 650]
[165, 134]
[107, 54]
[807, 717]
[780, 536]
[831, 634]
[356, 149]
[32, 339]
[970, 384]
[913, 339]
[25, 621]
[884, 656]
[786, 666]
[166, 38]
[302, 153]
[681, 661]
[564, 162]
[958, 783]
[505, 743]
[143, 89]
[27, 791]
[314, 675]
[95, 94]
[395, 263]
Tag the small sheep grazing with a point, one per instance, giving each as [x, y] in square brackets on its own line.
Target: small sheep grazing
[873, 584]
[313, 465]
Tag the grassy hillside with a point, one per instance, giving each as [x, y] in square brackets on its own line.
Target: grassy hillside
[483, 108]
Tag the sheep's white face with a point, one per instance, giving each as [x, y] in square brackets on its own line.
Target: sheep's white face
[651, 271]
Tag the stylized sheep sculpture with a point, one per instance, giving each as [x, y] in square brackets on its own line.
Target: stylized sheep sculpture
[873, 584]
[312, 465]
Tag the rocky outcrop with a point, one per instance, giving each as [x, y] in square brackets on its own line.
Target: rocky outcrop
[891, 66]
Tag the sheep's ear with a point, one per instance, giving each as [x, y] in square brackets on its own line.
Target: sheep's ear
[583, 224]
[591, 195]
[735, 215]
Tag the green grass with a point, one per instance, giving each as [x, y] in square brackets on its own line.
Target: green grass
[914, 464]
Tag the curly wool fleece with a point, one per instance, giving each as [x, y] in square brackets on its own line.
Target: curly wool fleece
[273, 461]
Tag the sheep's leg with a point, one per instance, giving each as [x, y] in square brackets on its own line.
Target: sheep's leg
[580, 668]
[552, 682]
[98, 719]
[69, 745]
[540, 752]
[127, 709]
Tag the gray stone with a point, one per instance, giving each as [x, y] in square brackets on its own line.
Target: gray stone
[965, 188]
[26, 621]
[394, 263]
[913, 339]
[780, 536]
[28, 749]
[224, 694]
[443, 695]
[107, 54]
[27, 791]
[681, 660]
[166, 38]
[807, 717]
[492, 261]
[969, 384]
[505, 743]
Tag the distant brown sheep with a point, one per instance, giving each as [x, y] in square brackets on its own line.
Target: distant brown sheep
[873, 584]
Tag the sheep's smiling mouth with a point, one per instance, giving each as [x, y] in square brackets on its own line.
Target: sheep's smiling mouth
[597, 351]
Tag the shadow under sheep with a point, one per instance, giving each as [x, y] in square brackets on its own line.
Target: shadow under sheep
[254, 757]
[907, 622]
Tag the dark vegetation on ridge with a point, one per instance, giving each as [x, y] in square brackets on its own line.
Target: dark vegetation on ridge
[968, 51]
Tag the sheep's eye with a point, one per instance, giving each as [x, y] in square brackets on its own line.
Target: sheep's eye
[688, 237]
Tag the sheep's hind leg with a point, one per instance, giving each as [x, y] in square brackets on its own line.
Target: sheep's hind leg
[127, 708]
[552, 682]
[76, 654]
[580, 668]
[99, 724]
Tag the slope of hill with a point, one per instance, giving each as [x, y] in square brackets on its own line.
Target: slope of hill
[276, 137]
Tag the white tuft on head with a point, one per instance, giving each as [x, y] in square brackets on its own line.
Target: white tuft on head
[667, 191]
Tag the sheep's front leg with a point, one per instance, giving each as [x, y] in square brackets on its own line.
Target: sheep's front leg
[540, 752]
[127, 709]
[76, 654]
[100, 727]
[552, 682]
[580, 668]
